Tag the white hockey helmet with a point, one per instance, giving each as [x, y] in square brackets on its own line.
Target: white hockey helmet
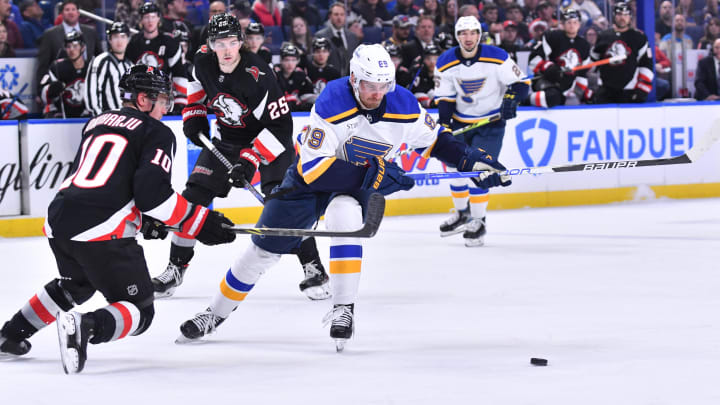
[371, 63]
[467, 23]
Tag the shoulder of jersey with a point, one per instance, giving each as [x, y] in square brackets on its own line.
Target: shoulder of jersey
[492, 54]
[254, 59]
[401, 106]
[447, 60]
[336, 102]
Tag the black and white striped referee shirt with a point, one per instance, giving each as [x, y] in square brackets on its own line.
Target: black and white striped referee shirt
[102, 90]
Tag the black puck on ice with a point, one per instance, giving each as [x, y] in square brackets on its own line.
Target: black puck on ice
[536, 361]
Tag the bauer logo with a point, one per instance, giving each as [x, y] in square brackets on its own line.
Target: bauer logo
[536, 138]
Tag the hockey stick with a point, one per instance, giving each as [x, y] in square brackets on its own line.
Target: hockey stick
[249, 187]
[102, 19]
[692, 155]
[601, 62]
[12, 102]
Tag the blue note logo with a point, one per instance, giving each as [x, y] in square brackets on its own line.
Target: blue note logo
[529, 133]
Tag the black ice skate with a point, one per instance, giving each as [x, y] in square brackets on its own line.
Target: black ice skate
[475, 232]
[10, 349]
[316, 283]
[203, 323]
[166, 283]
[342, 326]
[74, 331]
[456, 223]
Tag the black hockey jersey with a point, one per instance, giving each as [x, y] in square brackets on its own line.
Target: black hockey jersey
[556, 47]
[320, 76]
[423, 86]
[122, 168]
[298, 89]
[248, 103]
[636, 71]
[73, 97]
[162, 52]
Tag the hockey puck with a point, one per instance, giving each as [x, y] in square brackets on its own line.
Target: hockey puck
[536, 361]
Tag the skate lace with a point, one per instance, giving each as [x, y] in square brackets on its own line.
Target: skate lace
[311, 270]
[172, 272]
[206, 321]
[475, 224]
[339, 316]
[456, 215]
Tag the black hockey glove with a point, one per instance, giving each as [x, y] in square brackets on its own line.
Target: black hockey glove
[552, 72]
[638, 96]
[477, 160]
[152, 228]
[55, 89]
[386, 177]
[195, 122]
[245, 168]
[508, 108]
[207, 226]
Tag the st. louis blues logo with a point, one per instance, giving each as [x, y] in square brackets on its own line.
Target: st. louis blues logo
[470, 87]
[255, 72]
[528, 135]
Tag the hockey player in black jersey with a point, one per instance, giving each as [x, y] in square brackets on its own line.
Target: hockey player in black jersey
[553, 58]
[63, 87]
[255, 128]
[319, 70]
[424, 81]
[293, 81]
[120, 174]
[403, 77]
[630, 81]
[153, 47]
[255, 38]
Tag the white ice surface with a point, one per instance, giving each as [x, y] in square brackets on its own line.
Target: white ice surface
[623, 300]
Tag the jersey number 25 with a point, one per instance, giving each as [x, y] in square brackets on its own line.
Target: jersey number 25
[278, 108]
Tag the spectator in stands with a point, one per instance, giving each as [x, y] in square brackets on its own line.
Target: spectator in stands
[13, 32]
[414, 50]
[510, 41]
[400, 31]
[423, 84]
[707, 75]
[405, 7]
[545, 12]
[663, 24]
[514, 13]
[710, 10]
[682, 40]
[529, 11]
[712, 32]
[255, 38]
[588, 7]
[685, 8]
[591, 35]
[52, 42]
[403, 77]
[344, 42]
[267, 13]
[372, 11]
[301, 38]
[200, 33]
[489, 12]
[301, 8]
[293, 81]
[242, 11]
[356, 27]
[449, 15]
[32, 27]
[537, 29]
[6, 50]
[432, 9]
[127, 12]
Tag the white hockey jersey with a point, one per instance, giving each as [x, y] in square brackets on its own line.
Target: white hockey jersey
[476, 86]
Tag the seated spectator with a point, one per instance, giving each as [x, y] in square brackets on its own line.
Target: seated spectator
[293, 81]
[489, 13]
[510, 41]
[242, 11]
[127, 11]
[529, 10]
[6, 50]
[423, 85]
[266, 12]
[405, 7]
[403, 77]
[414, 50]
[514, 13]
[356, 27]
[537, 28]
[372, 11]
[343, 41]
[255, 38]
[591, 35]
[319, 70]
[663, 24]
[685, 8]
[588, 7]
[14, 39]
[301, 8]
[712, 32]
[682, 40]
[708, 75]
[62, 89]
[546, 12]
[301, 38]
[432, 9]
[449, 14]
[400, 31]
[31, 28]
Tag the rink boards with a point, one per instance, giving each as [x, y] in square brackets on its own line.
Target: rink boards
[32, 169]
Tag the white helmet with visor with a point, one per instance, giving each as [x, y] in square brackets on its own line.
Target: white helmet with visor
[371, 66]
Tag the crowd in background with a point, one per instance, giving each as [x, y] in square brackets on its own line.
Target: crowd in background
[415, 32]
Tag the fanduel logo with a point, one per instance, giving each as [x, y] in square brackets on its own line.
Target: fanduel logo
[528, 135]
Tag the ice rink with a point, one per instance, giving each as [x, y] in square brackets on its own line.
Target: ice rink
[623, 300]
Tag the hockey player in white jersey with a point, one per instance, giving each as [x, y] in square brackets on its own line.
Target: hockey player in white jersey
[474, 82]
[356, 124]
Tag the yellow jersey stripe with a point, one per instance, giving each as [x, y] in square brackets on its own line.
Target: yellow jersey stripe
[491, 60]
[449, 65]
[316, 171]
[449, 100]
[400, 116]
[341, 115]
[468, 120]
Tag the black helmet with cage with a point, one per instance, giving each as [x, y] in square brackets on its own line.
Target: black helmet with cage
[146, 79]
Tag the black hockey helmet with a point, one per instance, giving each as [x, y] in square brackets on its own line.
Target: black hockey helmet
[255, 29]
[148, 8]
[223, 26]
[444, 40]
[569, 14]
[74, 36]
[621, 8]
[393, 50]
[320, 43]
[432, 49]
[289, 50]
[146, 79]
[117, 27]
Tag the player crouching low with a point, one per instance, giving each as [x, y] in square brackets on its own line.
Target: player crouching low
[122, 168]
[356, 124]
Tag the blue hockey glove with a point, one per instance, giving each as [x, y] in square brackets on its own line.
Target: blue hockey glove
[508, 109]
[479, 160]
[386, 177]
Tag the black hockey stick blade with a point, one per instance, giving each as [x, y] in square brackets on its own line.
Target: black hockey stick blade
[373, 218]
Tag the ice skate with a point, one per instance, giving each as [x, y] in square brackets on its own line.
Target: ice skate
[475, 232]
[342, 326]
[10, 349]
[203, 323]
[316, 283]
[73, 335]
[165, 284]
[456, 223]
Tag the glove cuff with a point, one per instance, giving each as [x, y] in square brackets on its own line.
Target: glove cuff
[194, 110]
[193, 223]
[250, 155]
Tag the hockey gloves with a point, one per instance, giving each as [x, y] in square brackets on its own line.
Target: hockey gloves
[152, 228]
[195, 122]
[245, 168]
[207, 226]
[386, 177]
[479, 160]
[508, 108]
[552, 72]
[55, 89]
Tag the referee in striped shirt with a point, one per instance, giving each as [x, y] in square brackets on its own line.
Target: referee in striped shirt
[102, 91]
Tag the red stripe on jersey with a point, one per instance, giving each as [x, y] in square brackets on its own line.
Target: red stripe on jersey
[127, 318]
[537, 100]
[118, 232]
[540, 66]
[644, 78]
[264, 152]
[180, 88]
[195, 97]
[583, 88]
[41, 311]
[179, 211]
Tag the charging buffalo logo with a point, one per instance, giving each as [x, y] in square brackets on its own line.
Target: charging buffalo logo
[569, 59]
[470, 87]
[150, 58]
[74, 92]
[618, 48]
[528, 133]
[229, 110]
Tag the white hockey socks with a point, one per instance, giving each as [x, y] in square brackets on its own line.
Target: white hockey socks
[344, 213]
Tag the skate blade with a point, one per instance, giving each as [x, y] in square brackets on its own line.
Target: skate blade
[340, 344]
[69, 355]
[475, 242]
[456, 231]
[317, 293]
[166, 294]
[182, 340]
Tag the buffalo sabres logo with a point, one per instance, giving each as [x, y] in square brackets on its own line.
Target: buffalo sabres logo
[470, 87]
[618, 48]
[255, 72]
[319, 85]
[74, 92]
[229, 110]
[569, 59]
[151, 59]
